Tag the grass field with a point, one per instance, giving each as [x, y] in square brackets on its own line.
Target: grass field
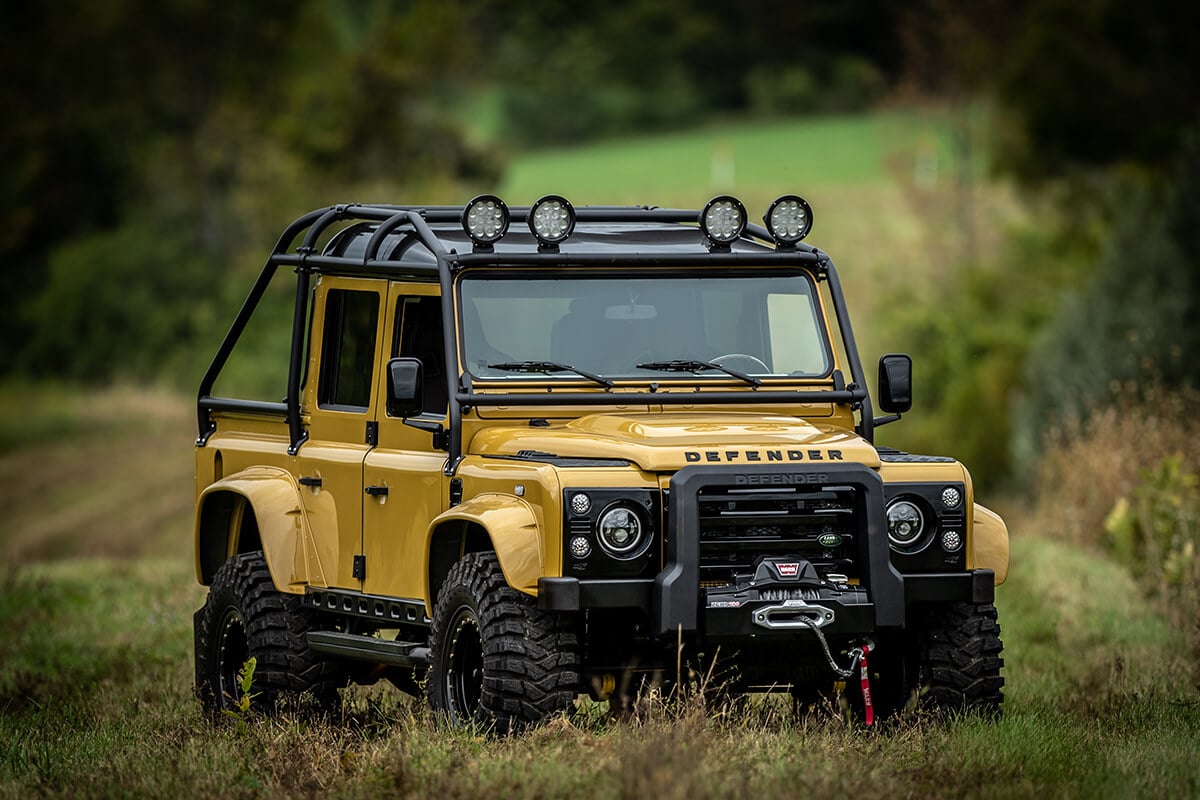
[95, 673]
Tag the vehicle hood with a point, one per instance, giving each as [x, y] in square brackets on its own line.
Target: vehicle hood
[665, 442]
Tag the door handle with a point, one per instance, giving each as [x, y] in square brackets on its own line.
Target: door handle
[377, 491]
[308, 481]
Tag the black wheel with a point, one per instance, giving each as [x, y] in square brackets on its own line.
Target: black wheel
[246, 617]
[960, 660]
[496, 659]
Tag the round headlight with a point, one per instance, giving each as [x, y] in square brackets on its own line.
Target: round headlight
[551, 219]
[723, 220]
[789, 219]
[905, 522]
[485, 219]
[620, 530]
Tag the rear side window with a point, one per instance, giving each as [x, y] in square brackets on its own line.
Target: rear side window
[348, 350]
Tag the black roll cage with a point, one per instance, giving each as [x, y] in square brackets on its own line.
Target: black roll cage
[416, 220]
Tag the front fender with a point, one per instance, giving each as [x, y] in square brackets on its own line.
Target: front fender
[989, 543]
[512, 527]
[283, 527]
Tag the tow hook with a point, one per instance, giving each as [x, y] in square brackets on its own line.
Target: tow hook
[858, 661]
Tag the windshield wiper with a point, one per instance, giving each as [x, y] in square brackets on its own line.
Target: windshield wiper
[550, 366]
[685, 365]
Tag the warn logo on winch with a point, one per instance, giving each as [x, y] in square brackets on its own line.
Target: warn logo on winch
[787, 569]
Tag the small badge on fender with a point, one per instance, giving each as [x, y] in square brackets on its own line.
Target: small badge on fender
[829, 540]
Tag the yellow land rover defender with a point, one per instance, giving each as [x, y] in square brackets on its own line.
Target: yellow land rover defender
[514, 467]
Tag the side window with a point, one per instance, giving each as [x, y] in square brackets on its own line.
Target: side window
[419, 335]
[348, 350]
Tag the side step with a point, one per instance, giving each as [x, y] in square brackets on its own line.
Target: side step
[368, 648]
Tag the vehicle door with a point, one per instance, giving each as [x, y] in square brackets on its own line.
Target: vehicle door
[339, 407]
[406, 464]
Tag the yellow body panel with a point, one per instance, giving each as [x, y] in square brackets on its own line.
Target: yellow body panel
[283, 525]
[512, 526]
[989, 543]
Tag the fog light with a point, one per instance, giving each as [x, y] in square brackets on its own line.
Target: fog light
[620, 531]
[951, 497]
[789, 219]
[951, 541]
[581, 503]
[551, 220]
[723, 221]
[581, 547]
[485, 219]
[905, 522]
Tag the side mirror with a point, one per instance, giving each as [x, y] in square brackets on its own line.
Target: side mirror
[405, 394]
[895, 383]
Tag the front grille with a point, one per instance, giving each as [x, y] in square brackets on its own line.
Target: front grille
[739, 525]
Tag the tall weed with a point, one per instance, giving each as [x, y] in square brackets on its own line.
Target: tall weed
[1127, 482]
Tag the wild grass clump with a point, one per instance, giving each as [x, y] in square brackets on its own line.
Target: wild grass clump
[1127, 482]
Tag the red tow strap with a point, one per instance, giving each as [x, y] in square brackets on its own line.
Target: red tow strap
[864, 675]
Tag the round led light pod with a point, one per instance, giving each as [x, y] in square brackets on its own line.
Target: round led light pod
[905, 523]
[789, 219]
[485, 219]
[581, 504]
[723, 220]
[620, 530]
[951, 541]
[551, 220]
[951, 497]
[581, 547]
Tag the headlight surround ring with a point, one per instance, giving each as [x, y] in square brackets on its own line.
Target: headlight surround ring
[622, 532]
[906, 523]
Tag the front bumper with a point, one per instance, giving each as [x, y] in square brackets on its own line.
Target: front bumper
[725, 614]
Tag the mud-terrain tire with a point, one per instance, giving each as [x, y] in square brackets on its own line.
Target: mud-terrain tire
[246, 617]
[496, 659]
[960, 660]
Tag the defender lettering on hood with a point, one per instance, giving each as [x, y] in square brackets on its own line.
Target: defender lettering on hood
[752, 456]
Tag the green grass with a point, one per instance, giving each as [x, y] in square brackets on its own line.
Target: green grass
[756, 159]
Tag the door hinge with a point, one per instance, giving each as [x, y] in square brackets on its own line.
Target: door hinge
[456, 491]
[360, 567]
[373, 433]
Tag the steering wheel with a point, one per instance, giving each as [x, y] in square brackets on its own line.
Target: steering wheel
[756, 364]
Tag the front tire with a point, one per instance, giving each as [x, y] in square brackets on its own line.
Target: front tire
[960, 660]
[245, 617]
[496, 659]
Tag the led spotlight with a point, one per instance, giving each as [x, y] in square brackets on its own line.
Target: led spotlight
[951, 497]
[581, 503]
[951, 541]
[551, 220]
[723, 221]
[485, 219]
[789, 219]
[581, 547]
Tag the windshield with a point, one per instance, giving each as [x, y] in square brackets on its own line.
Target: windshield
[642, 327]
